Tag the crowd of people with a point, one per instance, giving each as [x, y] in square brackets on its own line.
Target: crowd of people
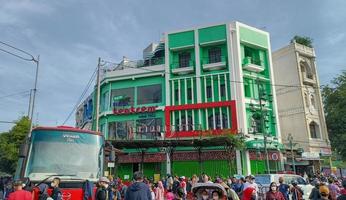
[180, 188]
[236, 188]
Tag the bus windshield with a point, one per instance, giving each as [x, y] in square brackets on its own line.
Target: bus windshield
[63, 152]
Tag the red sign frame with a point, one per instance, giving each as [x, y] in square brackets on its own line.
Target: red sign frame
[193, 133]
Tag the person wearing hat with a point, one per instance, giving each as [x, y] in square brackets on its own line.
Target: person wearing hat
[231, 194]
[250, 183]
[324, 192]
[102, 192]
[297, 192]
[138, 190]
[19, 193]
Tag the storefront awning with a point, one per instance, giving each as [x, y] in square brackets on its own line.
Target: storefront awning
[259, 144]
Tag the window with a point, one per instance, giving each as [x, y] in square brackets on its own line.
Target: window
[189, 94]
[314, 130]
[120, 130]
[214, 55]
[218, 121]
[306, 70]
[148, 128]
[253, 55]
[176, 95]
[256, 123]
[209, 91]
[223, 90]
[104, 101]
[149, 94]
[186, 123]
[313, 103]
[122, 97]
[247, 89]
[184, 59]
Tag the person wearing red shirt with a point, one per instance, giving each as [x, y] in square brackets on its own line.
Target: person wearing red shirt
[19, 193]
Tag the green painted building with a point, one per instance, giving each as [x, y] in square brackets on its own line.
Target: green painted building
[200, 82]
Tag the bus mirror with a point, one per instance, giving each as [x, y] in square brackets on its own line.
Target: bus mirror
[23, 150]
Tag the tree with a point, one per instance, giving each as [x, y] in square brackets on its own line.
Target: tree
[303, 40]
[10, 143]
[334, 99]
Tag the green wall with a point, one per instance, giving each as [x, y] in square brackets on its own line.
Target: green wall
[253, 37]
[212, 33]
[181, 39]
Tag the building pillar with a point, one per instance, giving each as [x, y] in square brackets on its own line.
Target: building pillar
[239, 163]
[168, 164]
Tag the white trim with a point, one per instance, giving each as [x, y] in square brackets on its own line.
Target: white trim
[167, 71]
[182, 47]
[253, 67]
[173, 92]
[110, 104]
[183, 70]
[214, 66]
[210, 43]
[192, 91]
[239, 24]
[240, 97]
[198, 68]
[274, 103]
[226, 86]
[106, 80]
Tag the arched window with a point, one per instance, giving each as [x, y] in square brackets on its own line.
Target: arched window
[306, 70]
[314, 130]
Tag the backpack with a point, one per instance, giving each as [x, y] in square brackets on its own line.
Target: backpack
[43, 196]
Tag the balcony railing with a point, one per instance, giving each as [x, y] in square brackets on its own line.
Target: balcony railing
[214, 63]
[253, 64]
[183, 67]
[154, 61]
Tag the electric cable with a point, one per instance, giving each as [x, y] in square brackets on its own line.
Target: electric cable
[81, 96]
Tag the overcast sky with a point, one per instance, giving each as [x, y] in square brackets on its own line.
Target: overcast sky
[71, 35]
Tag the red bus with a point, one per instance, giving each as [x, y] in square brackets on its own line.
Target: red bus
[73, 155]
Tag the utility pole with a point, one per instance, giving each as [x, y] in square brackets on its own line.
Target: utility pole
[37, 61]
[263, 127]
[290, 139]
[98, 95]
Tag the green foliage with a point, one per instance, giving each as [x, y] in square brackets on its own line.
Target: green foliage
[334, 99]
[10, 143]
[303, 40]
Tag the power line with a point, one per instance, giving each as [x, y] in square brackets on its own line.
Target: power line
[14, 94]
[81, 96]
[20, 50]
[7, 122]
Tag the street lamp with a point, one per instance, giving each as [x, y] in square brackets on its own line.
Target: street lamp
[37, 62]
[291, 144]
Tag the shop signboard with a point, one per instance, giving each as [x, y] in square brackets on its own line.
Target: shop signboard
[310, 156]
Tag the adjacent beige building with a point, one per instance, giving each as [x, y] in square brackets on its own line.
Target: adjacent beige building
[300, 106]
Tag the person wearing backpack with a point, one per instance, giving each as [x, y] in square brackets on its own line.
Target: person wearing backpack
[102, 192]
[297, 192]
[283, 188]
[56, 192]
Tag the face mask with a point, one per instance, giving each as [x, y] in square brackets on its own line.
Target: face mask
[105, 185]
[52, 185]
[205, 197]
[229, 182]
[215, 197]
[273, 188]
